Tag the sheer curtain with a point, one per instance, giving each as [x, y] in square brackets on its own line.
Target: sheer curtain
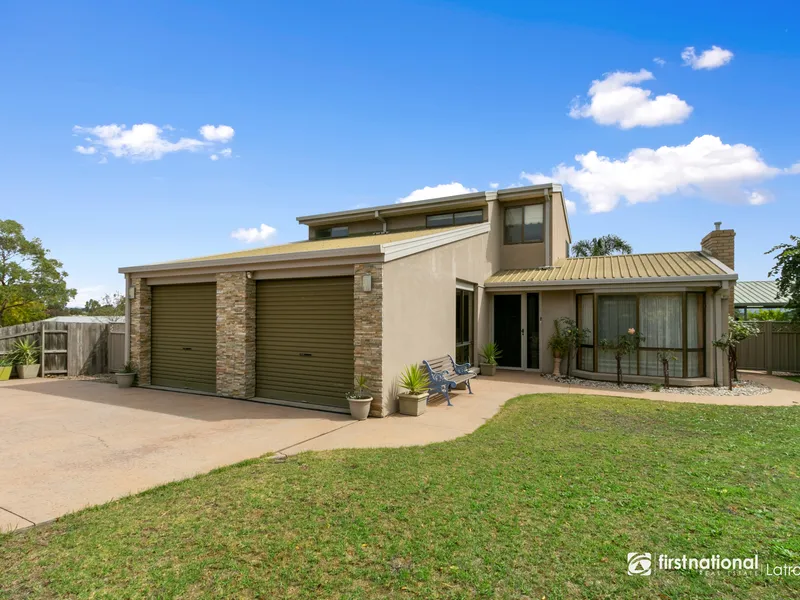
[615, 315]
[661, 323]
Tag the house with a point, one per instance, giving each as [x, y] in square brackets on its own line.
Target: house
[753, 296]
[373, 290]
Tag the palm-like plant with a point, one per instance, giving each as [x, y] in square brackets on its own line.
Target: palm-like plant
[605, 245]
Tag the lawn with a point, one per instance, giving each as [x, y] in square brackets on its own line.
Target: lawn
[793, 378]
[545, 500]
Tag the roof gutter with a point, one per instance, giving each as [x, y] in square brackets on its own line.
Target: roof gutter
[617, 282]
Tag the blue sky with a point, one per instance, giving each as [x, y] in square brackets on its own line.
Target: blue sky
[333, 105]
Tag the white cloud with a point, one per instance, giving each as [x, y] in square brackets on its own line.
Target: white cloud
[794, 169]
[617, 100]
[141, 142]
[249, 235]
[226, 153]
[220, 133]
[214, 157]
[437, 191]
[705, 165]
[713, 58]
[85, 149]
[536, 178]
[494, 186]
[659, 61]
[572, 208]
[757, 198]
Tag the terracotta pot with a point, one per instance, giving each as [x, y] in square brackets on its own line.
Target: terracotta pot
[413, 404]
[125, 380]
[557, 366]
[28, 371]
[359, 407]
[487, 369]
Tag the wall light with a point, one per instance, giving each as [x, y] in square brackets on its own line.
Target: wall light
[366, 283]
[131, 293]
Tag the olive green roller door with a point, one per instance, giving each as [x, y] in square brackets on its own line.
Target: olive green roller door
[184, 336]
[304, 340]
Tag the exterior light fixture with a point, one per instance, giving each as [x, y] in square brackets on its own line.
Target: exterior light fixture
[366, 283]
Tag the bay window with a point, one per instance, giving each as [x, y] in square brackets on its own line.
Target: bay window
[669, 323]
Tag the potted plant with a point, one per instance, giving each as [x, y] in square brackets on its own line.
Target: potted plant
[6, 365]
[559, 344]
[415, 381]
[25, 356]
[126, 375]
[359, 399]
[490, 353]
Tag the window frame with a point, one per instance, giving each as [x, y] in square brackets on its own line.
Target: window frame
[684, 351]
[522, 208]
[452, 216]
[330, 231]
[462, 296]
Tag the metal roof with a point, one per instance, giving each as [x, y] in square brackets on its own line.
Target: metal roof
[391, 245]
[625, 267]
[757, 293]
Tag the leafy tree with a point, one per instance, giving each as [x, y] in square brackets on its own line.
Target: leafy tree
[787, 272]
[567, 338]
[28, 313]
[770, 314]
[738, 331]
[107, 306]
[605, 245]
[27, 273]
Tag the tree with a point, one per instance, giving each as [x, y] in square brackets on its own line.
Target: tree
[571, 337]
[738, 331]
[787, 272]
[770, 314]
[603, 246]
[107, 306]
[27, 273]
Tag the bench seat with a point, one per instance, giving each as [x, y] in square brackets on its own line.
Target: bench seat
[445, 373]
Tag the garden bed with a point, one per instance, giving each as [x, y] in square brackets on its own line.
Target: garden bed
[742, 387]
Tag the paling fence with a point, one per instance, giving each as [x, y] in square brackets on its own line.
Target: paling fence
[775, 348]
[71, 348]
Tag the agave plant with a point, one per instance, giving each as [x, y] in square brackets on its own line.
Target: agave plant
[25, 352]
[360, 385]
[414, 379]
[490, 352]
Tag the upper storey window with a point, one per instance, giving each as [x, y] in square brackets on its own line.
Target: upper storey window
[449, 219]
[524, 224]
[332, 232]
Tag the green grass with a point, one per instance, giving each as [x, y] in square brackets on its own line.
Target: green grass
[793, 378]
[545, 500]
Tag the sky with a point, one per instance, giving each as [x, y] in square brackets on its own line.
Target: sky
[139, 132]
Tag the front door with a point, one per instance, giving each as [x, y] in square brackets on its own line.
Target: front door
[508, 329]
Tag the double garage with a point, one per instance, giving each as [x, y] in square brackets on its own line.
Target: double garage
[303, 331]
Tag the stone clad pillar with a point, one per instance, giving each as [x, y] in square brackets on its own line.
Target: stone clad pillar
[368, 333]
[141, 309]
[236, 335]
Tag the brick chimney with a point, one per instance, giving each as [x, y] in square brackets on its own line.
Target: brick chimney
[719, 244]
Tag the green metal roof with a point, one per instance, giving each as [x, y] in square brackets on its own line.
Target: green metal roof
[757, 293]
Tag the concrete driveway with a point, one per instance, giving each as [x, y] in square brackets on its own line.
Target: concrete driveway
[69, 444]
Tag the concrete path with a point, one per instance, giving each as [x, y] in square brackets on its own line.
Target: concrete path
[65, 445]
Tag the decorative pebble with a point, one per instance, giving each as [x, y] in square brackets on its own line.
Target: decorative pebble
[742, 387]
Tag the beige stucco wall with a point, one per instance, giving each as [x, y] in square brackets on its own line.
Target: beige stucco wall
[559, 232]
[419, 294]
[554, 304]
[522, 256]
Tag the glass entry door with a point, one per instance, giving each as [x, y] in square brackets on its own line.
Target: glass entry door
[508, 329]
[532, 331]
[464, 315]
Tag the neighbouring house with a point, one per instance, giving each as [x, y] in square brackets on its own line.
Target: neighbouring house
[754, 296]
[375, 289]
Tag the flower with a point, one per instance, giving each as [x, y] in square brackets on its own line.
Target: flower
[631, 331]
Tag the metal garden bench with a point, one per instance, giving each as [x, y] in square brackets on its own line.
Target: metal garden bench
[445, 373]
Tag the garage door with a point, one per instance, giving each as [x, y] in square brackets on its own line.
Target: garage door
[184, 337]
[304, 340]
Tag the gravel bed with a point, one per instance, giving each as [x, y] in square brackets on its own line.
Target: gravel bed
[742, 387]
